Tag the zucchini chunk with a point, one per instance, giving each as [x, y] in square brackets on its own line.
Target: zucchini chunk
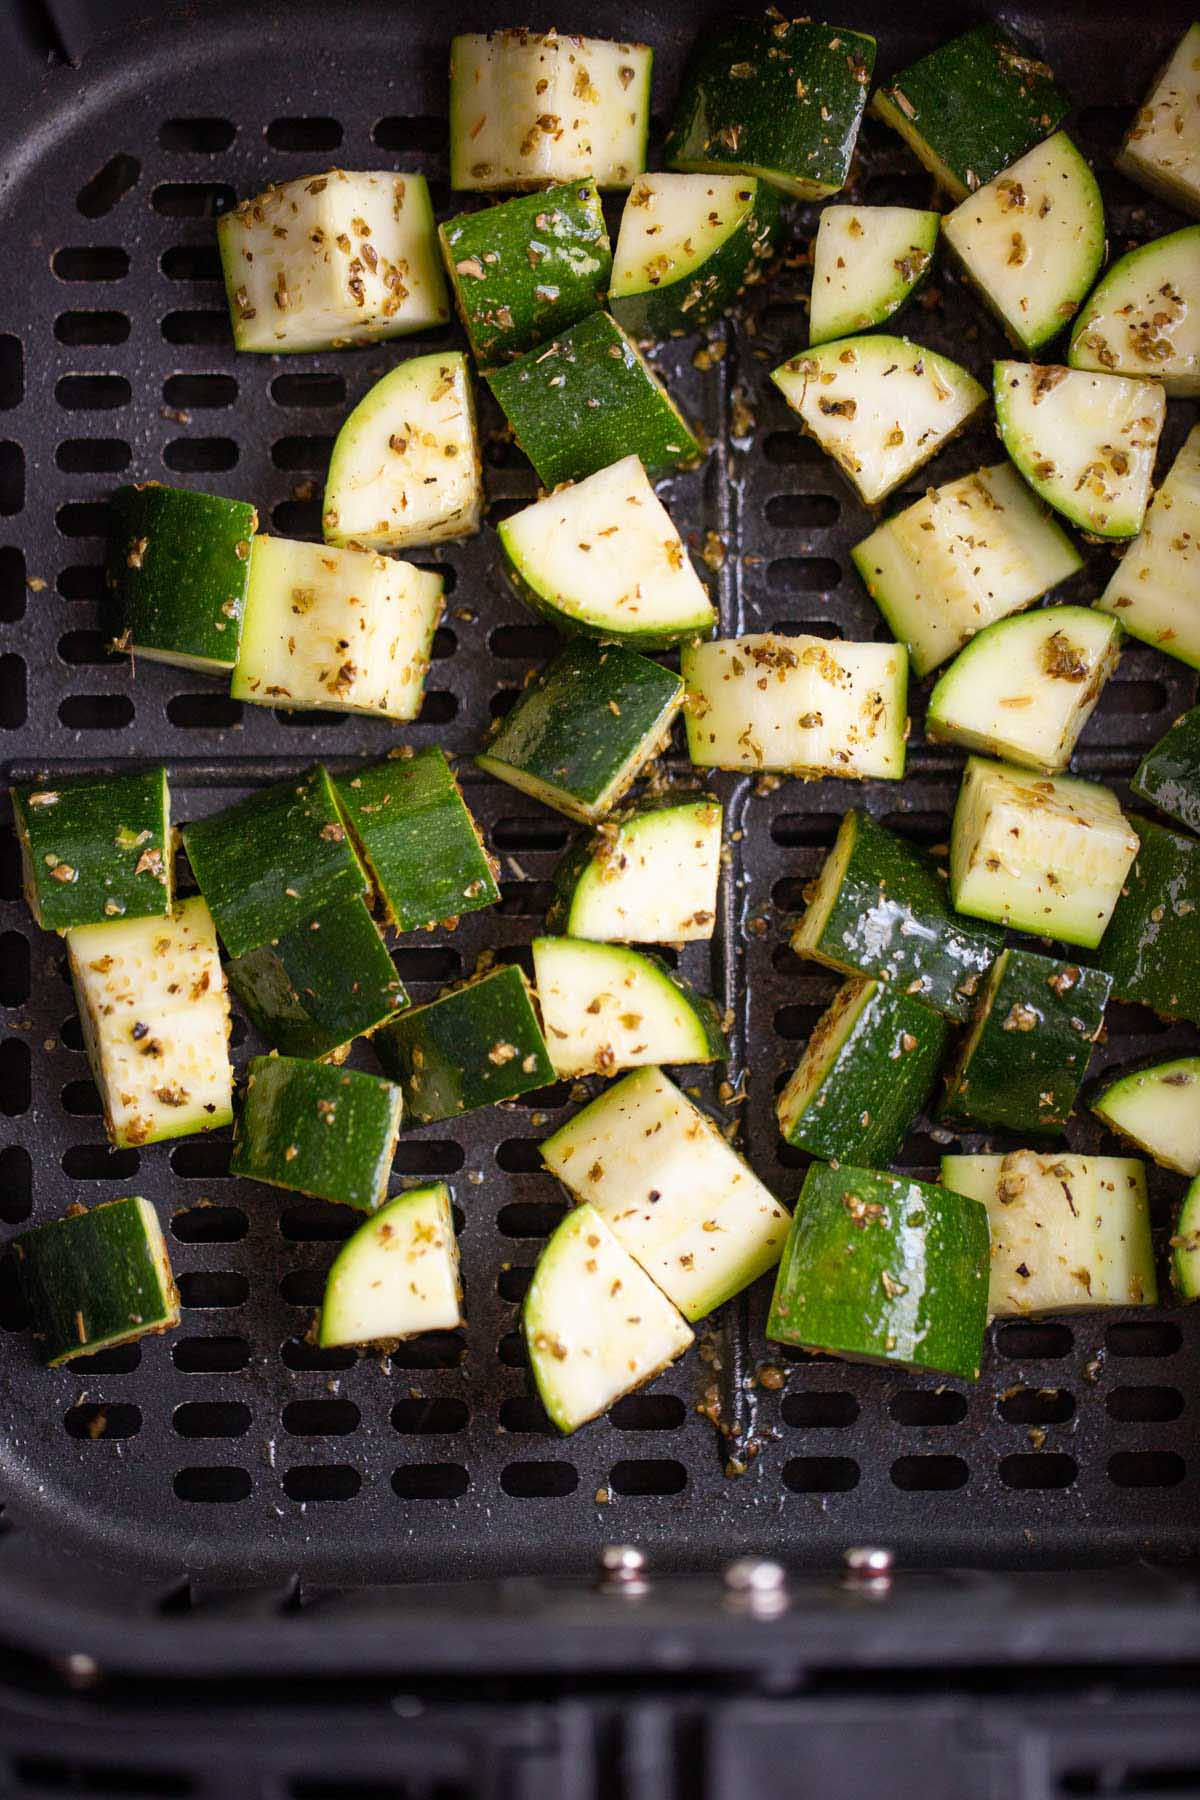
[397, 1276]
[884, 1269]
[606, 1007]
[97, 1278]
[688, 248]
[879, 406]
[1168, 776]
[972, 107]
[585, 399]
[318, 1130]
[529, 108]
[1144, 317]
[595, 1326]
[1150, 947]
[1047, 854]
[867, 261]
[1085, 443]
[1024, 689]
[1185, 1246]
[602, 557]
[1031, 242]
[176, 569]
[1023, 1061]
[585, 727]
[155, 1019]
[1158, 1109]
[676, 1195]
[774, 97]
[879, 908]
[269, 862]
[415, 833]
[961, 557]
[96, 848]
[799, 706]
[331, 260]
[472, 1046]
[1153, 587]
[405, 465]
[867, 1071]
[648, 878]
[1162, 147]
[1069, 1233]
[320, 984]
[526, 269]
[336, 630]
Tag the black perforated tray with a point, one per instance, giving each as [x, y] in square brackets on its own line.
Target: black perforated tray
[230, 1451]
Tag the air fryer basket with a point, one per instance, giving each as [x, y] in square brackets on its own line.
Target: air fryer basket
[231, 1453]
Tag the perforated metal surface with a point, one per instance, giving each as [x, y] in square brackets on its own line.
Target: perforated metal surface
[231, 1449]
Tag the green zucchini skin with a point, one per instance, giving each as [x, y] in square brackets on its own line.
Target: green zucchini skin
[1168, 776]
[470, 1047]
[416, 835]
[1185, 1246]
[177, 566]
[588, 398]
[318, 1130]
[96, 849]
[527, 269]
[698, 296]
[972, 107]
[97, 1278]
[891, 919]
[316, 987]
[269, 862]
[1023, 1061]
[884, 1268]
[1150, 945]
[868, 1082]
[776, 98]
[584, 727]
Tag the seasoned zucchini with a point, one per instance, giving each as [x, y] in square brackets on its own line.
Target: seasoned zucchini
[867, 261]
[1153, 587]
[647, 878]
[1158, 1109]
[397, 1276]
[1168, 776]
[317, 1129]
[1144, 317]
[689, 246]
[1162, 146]
[97, 1278]
[1150, 946]
[606, 1007]
[176, 569]
[95, 848]
[472, 1046]
[1185, 1246]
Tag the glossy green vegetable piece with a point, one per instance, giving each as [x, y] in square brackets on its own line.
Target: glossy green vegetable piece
[1168, 776]
[95, 849]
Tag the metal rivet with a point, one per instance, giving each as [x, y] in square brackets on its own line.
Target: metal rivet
[623, 1570]
[753, 1584]
[868, 1568]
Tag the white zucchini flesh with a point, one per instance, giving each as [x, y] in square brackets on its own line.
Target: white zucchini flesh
[866, 262]
[1032, 240]
[1153, 590]
[653, 878]
[606, 1007]
[1144, 317]
[1162, 149]
[527, 109]
[1185, 1246]
[595, 1325]
[1084, 442]
[1045, 853]
[961, 557]
[1158, 1109]
[879, 406]
[397, 1275]
[673, 225]
[1024, 689]
[1069, 1233]
[330, 260]
[603, 554]
[335, 629]
[675, 1194]
[154, 1011]
[405, 465]
[797, 706]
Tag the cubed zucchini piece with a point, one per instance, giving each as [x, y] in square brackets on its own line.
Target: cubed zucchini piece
[95, 848]
[867, 1071]
[176, 569]
[1158, 1109]
[397, 1276]
[1168, 776]
[1150, 947]
[884, 1269]
[1153, 588]
[606, 1007]
[1047, 854]
[1144, 317]
[688, 248]
[647, 878]
[867, 261]
[1162, 147]
[677, 1196]
[472, 1046]
[797, 705]
[318, 1130]
[97, 1278]
[329, 260]
[1185, 1246]
[155, 1019]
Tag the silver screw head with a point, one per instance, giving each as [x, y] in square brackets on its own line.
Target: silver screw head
[868, 1566]
[754, 1584]
[623, 1569]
